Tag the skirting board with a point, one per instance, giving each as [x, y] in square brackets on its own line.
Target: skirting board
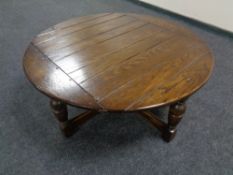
[184, 18]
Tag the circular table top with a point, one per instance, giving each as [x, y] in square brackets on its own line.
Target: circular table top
[117, 62]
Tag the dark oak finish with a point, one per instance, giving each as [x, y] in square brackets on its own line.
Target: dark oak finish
[175, 115]
[118, 62]
[69, 126]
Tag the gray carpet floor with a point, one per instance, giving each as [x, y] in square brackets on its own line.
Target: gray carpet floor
[30, 141]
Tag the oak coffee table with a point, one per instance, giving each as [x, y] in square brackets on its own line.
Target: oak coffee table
[118, 62]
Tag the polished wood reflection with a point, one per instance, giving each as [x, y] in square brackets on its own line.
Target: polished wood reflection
[118, 62]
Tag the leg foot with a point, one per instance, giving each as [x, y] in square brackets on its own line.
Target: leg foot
[175, 115]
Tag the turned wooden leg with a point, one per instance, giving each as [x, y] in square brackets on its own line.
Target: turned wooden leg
[69, 127]
[175, 115]
[59, 110]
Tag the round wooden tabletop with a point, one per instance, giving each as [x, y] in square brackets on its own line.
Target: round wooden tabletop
[117, 62]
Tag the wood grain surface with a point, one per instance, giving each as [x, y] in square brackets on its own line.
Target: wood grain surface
[118, 62]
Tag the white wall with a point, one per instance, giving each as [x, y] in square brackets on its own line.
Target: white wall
[215, 12]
